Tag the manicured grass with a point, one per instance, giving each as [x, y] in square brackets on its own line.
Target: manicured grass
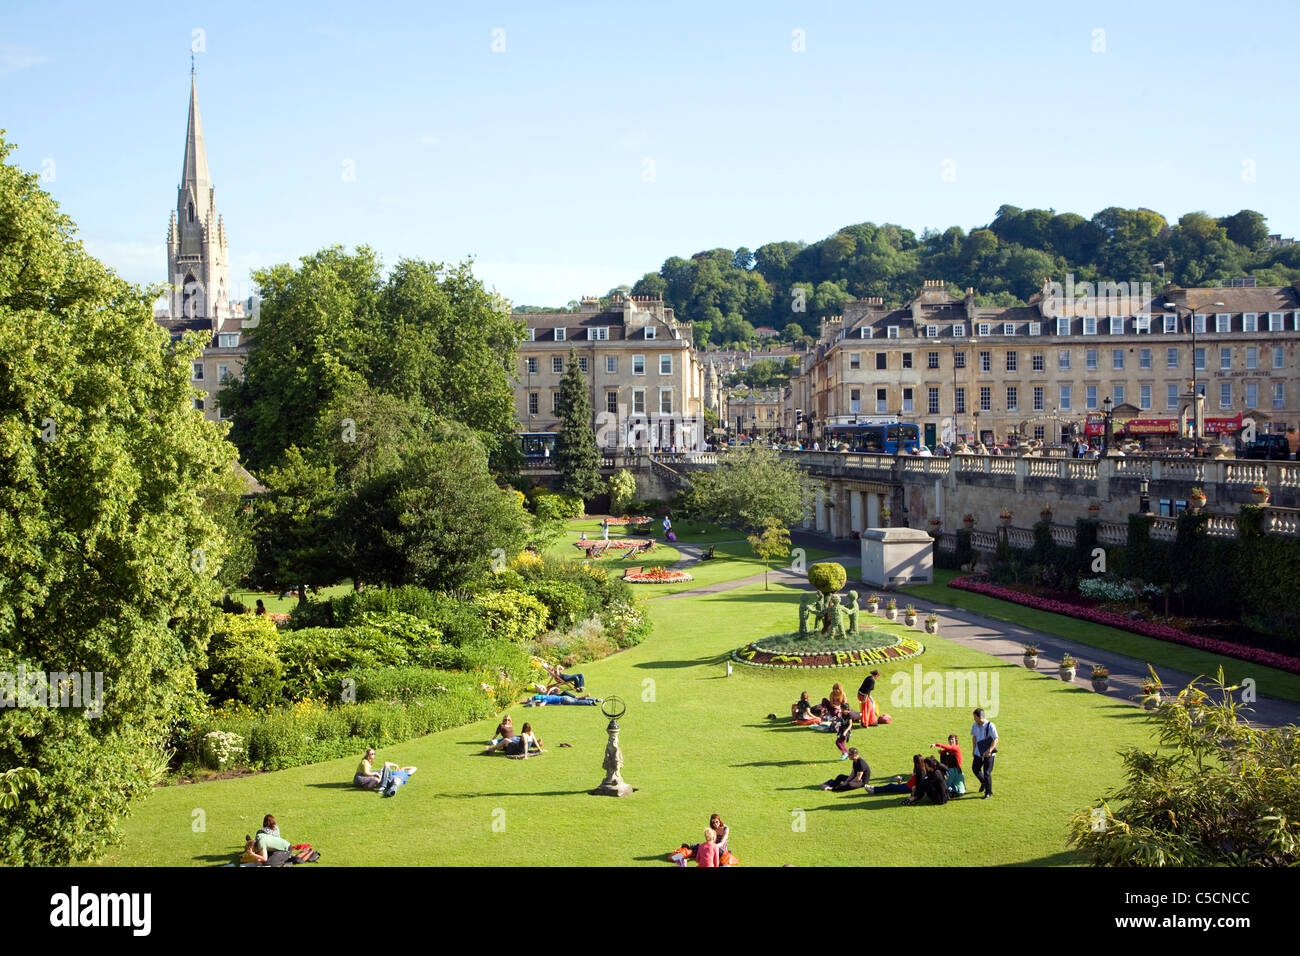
[276, 605]
[695, 742]
[1159, 654]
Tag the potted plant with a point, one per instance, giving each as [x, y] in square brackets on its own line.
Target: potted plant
[873, 603]
[1196, 500]
[885, 514]
[1150, 696]
[1100, 678]
[933, 526]
[1006, 517]
[909, 616]
[968, 520]
[1094, 510]
[1260, 494]
[1046, 514]
[891, 610]
[1067, 668]
[1031, 656]
[932, 624]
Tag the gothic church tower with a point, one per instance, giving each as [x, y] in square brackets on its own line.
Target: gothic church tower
[197, 262]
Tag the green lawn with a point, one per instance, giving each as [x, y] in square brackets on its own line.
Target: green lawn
[1160, 654]
[276, 605]
[695, 742]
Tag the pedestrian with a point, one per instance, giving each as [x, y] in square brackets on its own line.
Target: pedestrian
[842, 726]
[604, 528]
[984, 746]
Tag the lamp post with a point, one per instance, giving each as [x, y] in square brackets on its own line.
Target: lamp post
[1108, 409]
[1196, 395]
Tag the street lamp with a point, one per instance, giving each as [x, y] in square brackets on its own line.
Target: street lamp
[1196, 396]
[1108, 409]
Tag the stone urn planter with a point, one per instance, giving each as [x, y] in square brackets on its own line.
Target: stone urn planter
[1031, 661]
[891, 611]
[910, 619]
[1259, 496]
[1094, 512]
[1066, 669]
[932, 625]
[1101, 684]
[968, 522]
[1151, 700]
[1196, 503]
[1045, 515]
[1006, 520]
[932, 527]
[873, 604]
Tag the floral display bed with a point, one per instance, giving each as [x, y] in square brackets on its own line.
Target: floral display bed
[655, 575]
[622, 544]
[1161, 632]
[868, 646]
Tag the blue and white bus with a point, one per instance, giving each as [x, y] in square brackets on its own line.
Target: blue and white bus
[874, 436]
[537, 445]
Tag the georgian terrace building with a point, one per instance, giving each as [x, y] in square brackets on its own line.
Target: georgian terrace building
[1036, 371]
[646, 381]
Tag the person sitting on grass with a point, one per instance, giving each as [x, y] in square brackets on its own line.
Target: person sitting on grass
[830, 706]
[504, 729]
[520, 746]
[721, 834]
[898, 786]
[707, 854]
[366, 777]
[857, 780]
[802, 712]
[932, 783]
[949, 753]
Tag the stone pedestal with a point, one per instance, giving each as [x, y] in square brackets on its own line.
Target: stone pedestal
[897, 556]
[613, 785]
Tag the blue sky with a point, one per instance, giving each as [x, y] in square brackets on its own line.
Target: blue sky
[605, 137]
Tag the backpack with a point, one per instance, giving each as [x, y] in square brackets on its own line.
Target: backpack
[884, 719]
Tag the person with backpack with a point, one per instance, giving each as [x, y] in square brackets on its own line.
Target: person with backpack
[984, 744]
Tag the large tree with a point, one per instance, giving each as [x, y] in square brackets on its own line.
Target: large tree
[751, 489]
[576, 456]
[109, 547]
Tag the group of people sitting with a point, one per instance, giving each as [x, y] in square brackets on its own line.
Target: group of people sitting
[713, 851]
[936, 779]
[386, 780]
[268, 848]
[519, 745]
[834, 715]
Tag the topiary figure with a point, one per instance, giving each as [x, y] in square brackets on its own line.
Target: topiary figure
[827, 576]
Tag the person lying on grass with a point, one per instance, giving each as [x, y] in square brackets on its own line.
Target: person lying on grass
[541, 700]
[520, 745]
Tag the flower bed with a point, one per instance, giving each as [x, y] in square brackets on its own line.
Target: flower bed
[599, 544]
[655, 575]
[639, 519]
[1160, 632]
[778, 651]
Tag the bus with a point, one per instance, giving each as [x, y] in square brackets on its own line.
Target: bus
[537, 445]
[874, 437]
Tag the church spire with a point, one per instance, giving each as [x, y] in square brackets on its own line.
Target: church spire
[194, 174]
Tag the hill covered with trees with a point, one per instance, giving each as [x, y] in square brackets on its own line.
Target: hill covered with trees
[728, 293]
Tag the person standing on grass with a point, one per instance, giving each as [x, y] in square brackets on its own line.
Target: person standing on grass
[984, 745]
[604, 528]
[868, 702]
[843, 729]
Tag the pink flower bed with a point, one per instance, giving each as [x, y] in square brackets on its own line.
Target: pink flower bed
[633, 520]
[1160, 632]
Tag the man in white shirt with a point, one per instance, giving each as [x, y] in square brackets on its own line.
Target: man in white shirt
[984, 746]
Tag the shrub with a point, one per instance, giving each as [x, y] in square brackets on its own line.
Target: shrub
[622, 491]
[244, 661]
[512, 615]
[318, 658]
[221, 749]
[457, 621]
[827, 576]
[565, 602]
[1099, 589]
[552, 507]
[312, 614]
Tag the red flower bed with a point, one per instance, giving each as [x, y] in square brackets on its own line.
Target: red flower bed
[655, 575]
[633, 520]
[1160, 632]
[600, 544]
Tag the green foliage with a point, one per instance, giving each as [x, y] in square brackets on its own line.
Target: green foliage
[622, 491]
[577, 458]
[565, 601]
[827, 576]
[512, 615]
[244, 661]
[549, 507]
[751, 488]
[773, 543]
[1221, 793]
[111, 541]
